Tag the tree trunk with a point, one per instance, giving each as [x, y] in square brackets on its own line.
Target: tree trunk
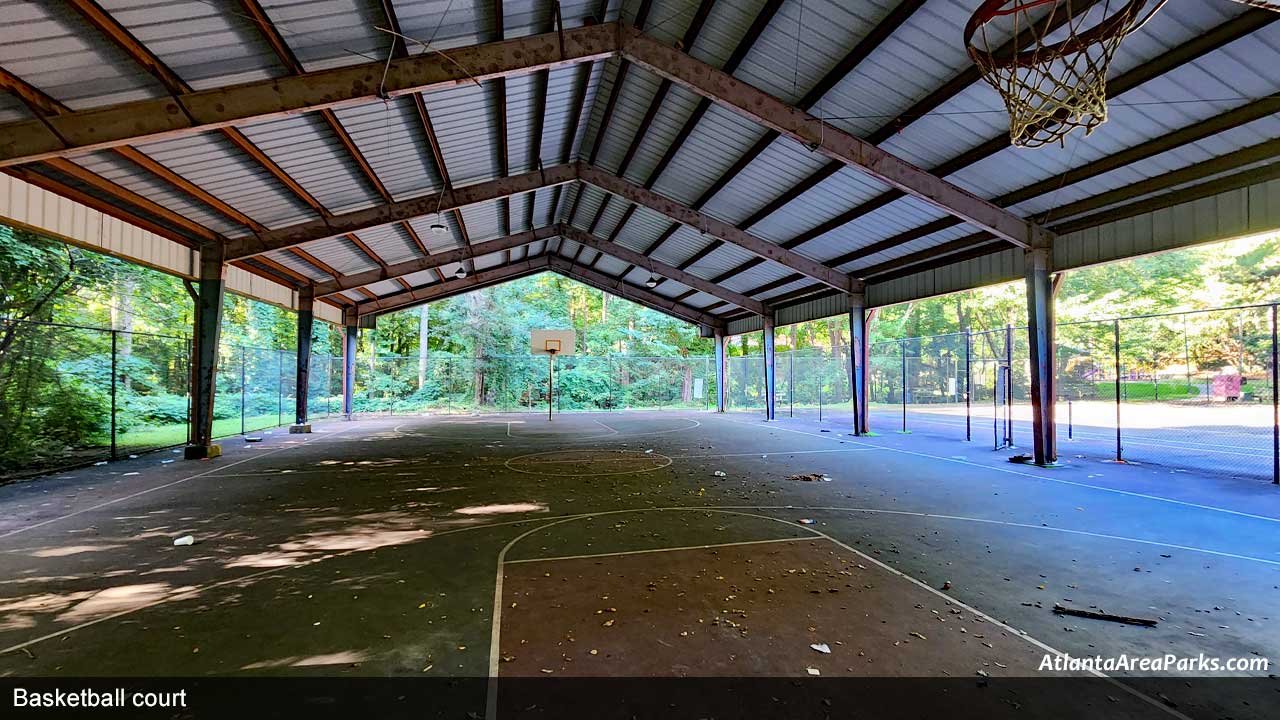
[424, 332]
[686, 388]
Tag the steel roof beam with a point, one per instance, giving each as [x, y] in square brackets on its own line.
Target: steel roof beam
[431, 262]
[717, 228]
[401, 300]
[656, 267]
[641, 296]
[394, 212]
[205, 110]
[759, 106]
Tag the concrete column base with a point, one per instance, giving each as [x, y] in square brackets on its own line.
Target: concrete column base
[300, 429]
[201, 452]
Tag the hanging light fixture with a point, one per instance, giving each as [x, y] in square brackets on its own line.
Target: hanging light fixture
[439, 228]
[652, 282]
[460, 273]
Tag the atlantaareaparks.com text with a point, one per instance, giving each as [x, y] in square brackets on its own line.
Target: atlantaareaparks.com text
[1160, 663]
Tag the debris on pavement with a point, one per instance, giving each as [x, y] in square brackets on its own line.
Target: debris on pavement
[805, 521]
[813, 671]
[823, 648]
[810, 477]
[185, 540]
[1145, 622]
[719, 473]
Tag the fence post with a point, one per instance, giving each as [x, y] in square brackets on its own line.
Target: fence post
[791, 381]
[902, 351]
[820, 383]
[114, 371]
[279, 387]
[968, 384]
[1116, 332]
[242, 389]
[1275, 402]
[1008, 385]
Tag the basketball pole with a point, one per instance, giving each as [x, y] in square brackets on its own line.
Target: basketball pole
[551, 380]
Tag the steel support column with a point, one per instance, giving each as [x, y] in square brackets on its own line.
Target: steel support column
[720, 373]
[858, 357]
[350, 337]
[306, 305]
[1040, 341]
[770, 385]
[204, 350]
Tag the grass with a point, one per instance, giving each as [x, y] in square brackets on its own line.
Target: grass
[1143, 390]
[176, 434]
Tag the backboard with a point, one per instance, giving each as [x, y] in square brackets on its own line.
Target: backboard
[542, 342]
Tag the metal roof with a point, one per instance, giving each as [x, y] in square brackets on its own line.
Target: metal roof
[1189, 117]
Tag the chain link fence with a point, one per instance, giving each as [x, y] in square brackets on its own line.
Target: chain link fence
[449, 383]
[72, 395]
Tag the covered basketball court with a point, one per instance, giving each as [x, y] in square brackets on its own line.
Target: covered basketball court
[740, 166]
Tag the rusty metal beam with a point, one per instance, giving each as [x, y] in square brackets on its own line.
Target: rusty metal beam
[206, 110]
[397, 211]
[457, 255]
[43, 105]
[756, 105]
[717, 228]
[438, 291]
[626, 254]
[641, 296]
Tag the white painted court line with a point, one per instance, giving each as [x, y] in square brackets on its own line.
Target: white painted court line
[1007, 471]
[495, 635]
[1008, 523]
[161, 487]
[658, 550]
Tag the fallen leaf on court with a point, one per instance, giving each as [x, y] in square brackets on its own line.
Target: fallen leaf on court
[822, 648]
[917, 635]
[813, 671]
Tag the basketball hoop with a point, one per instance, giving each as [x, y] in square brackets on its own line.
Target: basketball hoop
[1059, 84]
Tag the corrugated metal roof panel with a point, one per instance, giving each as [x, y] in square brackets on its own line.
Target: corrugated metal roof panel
[756, 276]
[783, 164]
[297, 264]
[561, 110]
[637, 95]
[390, 242]
[391, 137]
[465, 121]
[1169, 161]
[922, 55]
[124, 173]
[713, 146]
[51, 47]
[340, 254]
[213, 163]
[12, 109]
[205, 45]
[803, 42]
[306, 148]
[523, 106]
[330, 33]
[482, 221]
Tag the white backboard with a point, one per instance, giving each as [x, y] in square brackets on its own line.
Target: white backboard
[542, 341]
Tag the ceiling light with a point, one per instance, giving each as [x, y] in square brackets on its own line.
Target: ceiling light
[439, 228]
[651, 282]
[460, 273]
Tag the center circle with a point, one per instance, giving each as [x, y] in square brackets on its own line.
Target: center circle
[587, 463]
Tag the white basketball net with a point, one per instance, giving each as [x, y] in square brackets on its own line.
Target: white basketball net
[1059, 83]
